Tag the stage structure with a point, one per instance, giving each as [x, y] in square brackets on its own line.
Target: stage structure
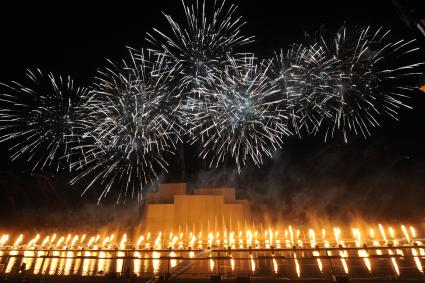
[174, 209]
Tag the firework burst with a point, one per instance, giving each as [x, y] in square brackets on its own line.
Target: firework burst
[240, 119]
[195, 83]
[42, 119]
[133, 124]
[306, 79]
[374, 79]
[203, 44]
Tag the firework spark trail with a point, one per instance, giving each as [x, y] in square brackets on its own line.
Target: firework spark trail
[241, 119]
[199, 47]
[306, 79]
[345, 82]
[373, 81]
[196, 83]
[133, 123]
[203, 43]
[42, 119]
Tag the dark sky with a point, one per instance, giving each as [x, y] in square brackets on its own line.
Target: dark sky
[75, 38]
[383, 175]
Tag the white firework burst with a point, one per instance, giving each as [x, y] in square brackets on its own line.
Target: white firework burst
[201, 45]
[375, 79]
[306, 79]
[241, 119]
[133, 124]
[41, 119]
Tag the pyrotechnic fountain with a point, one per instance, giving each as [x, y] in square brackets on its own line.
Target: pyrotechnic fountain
[362, 251]
[277, 251]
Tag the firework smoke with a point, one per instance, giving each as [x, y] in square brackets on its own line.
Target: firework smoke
[42, 119]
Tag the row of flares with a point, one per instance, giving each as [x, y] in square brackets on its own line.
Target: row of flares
[392, 244]
[247, 239]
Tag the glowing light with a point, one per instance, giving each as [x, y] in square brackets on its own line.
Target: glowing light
[413, 232]
[38, 262]
[139, 241]
[68, 263]
[137, 262]
[65, 258]
[297, 266]
[275, 266]
[417, 260]
[18, 240]
[383, 235]
[406, 234]
[362, 253]
[313, 245]
[394, 263]
[156, 262]
[173, 262]
[252, 263]
[44, 242]
[4, 238]
[12, 261]
[120, 261]
[211, 261]
[54, 262]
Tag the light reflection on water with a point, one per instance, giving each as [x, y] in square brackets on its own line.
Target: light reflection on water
[173, 262]
[211, 265]
[62, 260]
[150, 263]
[68, 263]
[38, 262]
[54, 263]
[11, 262]
[275, 266]
[104, 262]
[120, 262]
[137, 262]
[77, 263]
[156, 262]
[87, 263]
[45, 265]
[28, 258]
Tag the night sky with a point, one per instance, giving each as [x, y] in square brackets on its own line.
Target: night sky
[382, 177]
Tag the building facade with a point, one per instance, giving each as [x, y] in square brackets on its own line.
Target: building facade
[174, 209]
